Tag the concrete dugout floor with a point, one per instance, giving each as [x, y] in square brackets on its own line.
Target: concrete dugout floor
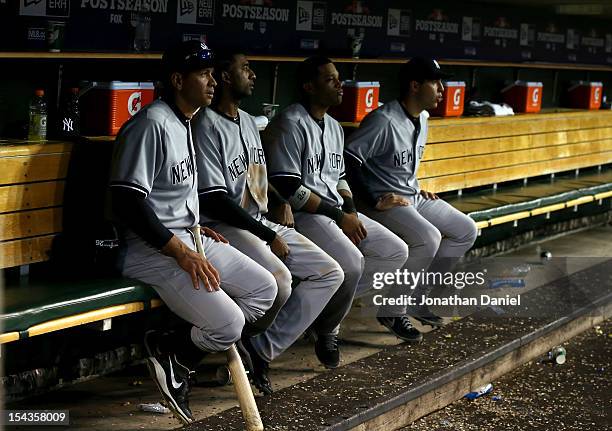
[111, 402]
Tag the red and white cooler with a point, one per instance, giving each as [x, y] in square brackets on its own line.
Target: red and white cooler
[107, 105]
[452, 100]
[524, 96]
[360, 98]
[585, 95]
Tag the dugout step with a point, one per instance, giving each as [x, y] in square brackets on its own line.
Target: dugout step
[399, 384]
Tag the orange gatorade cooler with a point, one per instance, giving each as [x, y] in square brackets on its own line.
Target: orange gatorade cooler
[452, 100]
[524, 96]
[360, 98]
[107, 105]
[585, 95]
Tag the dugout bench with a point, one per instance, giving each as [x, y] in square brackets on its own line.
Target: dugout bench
[476, 162]
[32, 185]
[533, 168]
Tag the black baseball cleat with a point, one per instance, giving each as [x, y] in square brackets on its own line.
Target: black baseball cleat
[326, 349]
[402, 328]
[256, 366]
[172, 378]
[426, 317]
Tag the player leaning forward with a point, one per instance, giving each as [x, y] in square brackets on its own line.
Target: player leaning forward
[383, 158]
[304, 146]
[234, 192]
[154, 196]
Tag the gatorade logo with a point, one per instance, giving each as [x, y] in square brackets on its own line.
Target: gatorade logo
[457, 97]
[596, 94]
[369, 97]
[535, 96]
[134, 103]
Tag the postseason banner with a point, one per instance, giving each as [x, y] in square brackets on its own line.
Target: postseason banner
[259, 26]
[355, 28]
[341, 28]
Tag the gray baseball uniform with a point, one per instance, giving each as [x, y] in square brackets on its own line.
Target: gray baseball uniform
[389, 149]
[230, 158]
[154, 155]
[297, 146]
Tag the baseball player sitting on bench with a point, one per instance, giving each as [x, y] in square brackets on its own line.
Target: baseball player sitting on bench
[304, 146]
[233, 189]
[382, 159]
[153, 187]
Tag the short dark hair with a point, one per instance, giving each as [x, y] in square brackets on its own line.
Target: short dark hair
[308, 70]
[223, 62]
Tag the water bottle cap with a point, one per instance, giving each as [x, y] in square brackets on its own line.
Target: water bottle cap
[39, 92]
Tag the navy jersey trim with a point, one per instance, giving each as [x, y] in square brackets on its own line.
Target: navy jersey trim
[286, 174]
[129, 185]
[212, 189]
[354, 156]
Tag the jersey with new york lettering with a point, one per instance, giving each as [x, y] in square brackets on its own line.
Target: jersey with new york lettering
[296, 146]
[230, 158]
[154, 155]
[386, 146]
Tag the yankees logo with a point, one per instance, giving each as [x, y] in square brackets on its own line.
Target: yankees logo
[67, 125]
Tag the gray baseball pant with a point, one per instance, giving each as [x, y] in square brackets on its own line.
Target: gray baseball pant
[380, 251]
[319, 276]
[247, 289]
[432, 229]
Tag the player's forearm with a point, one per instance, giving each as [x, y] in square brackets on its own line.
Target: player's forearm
[131, 208]
[354, 171]
[274, 197]
[348, 205]
[316, 205]
[174, 248]
[219, 206]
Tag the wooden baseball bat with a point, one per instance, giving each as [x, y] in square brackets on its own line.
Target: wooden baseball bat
[246, 400]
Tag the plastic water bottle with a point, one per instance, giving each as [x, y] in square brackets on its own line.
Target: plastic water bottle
[37, 129]
[479, 392]
[507, 282]
[154, 408]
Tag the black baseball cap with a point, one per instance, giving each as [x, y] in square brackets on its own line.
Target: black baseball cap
[187, 56]
[421, 68]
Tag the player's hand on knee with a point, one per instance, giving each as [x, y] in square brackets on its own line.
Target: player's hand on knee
[210, 276]
[279, 247]
[391, 200]
[198, 269]
[429, 195]
[206, 231]
[353, 228]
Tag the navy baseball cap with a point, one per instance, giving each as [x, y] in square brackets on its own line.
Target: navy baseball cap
[421, 68]
[187, 56]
